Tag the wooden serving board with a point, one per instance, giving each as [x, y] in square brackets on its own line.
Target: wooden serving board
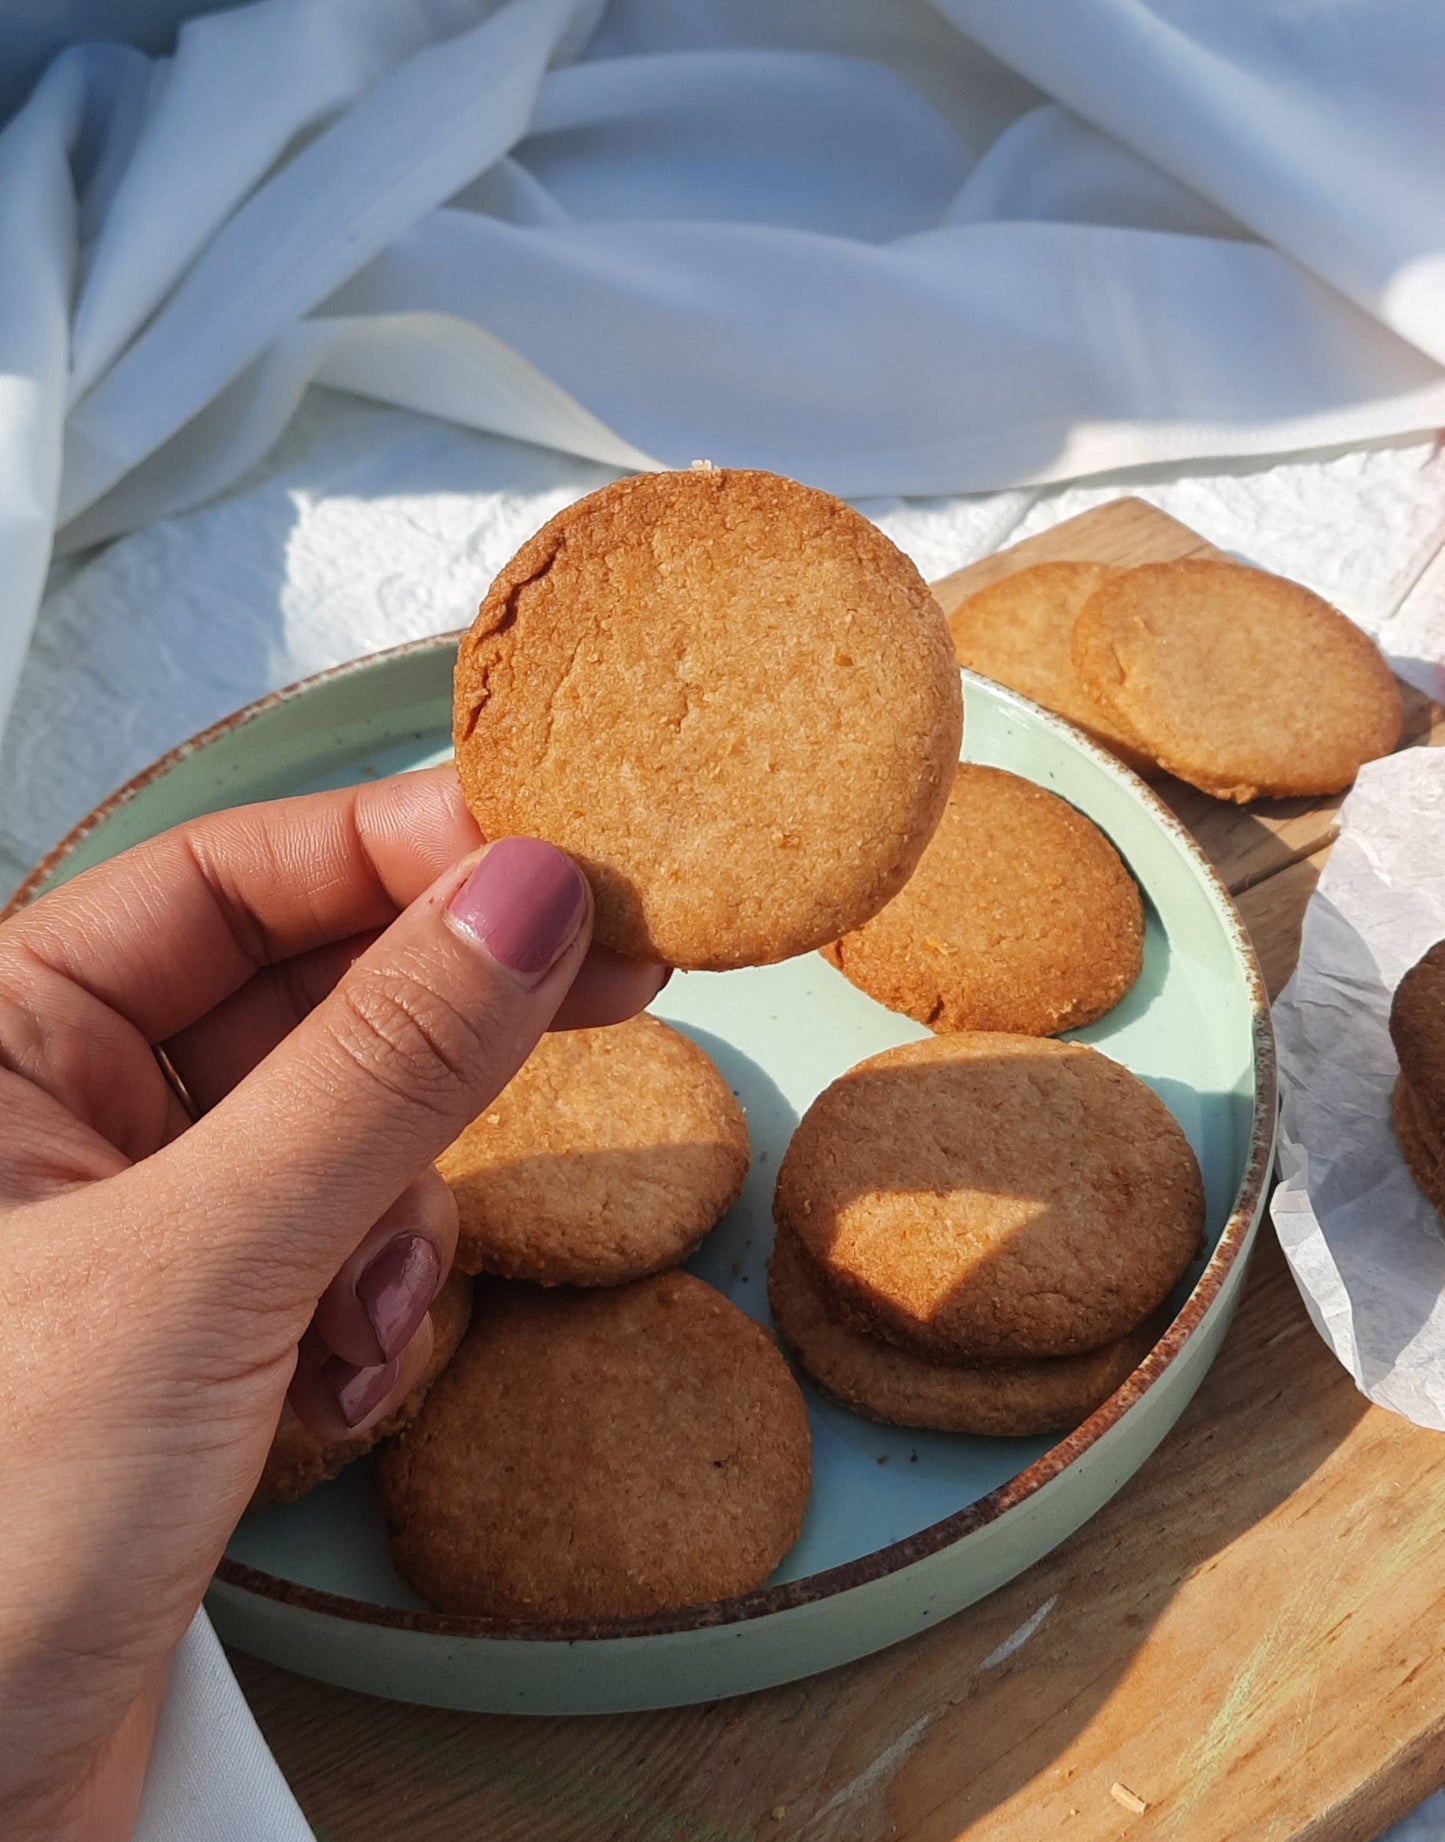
[1244, 1643]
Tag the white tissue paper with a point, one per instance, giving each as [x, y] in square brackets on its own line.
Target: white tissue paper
[1366, 1248]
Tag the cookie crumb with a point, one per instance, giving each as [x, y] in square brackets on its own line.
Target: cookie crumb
[1130, 1800]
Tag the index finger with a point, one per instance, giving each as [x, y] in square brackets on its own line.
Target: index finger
[166, 931]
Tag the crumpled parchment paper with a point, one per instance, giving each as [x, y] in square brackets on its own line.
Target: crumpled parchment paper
[1366, 1248]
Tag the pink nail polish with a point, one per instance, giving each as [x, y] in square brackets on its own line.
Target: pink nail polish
[396, 1289]
[359, 1392]
[524, 902]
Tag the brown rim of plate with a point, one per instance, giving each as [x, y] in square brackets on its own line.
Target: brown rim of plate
[898, 1555]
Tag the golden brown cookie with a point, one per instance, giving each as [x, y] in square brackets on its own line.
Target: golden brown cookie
[1019, 917]
[874, 1378]
[1239, 682]
[1417, 1029]
[608, 1157]
[1019, 632]
[596, 1454]
[1420, 1150]
[299, 1459]
[988, 1198]
[730, 697]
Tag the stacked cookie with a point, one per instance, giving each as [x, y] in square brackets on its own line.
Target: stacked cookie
[607, 1159]
[974, 1231]
[610, 1436]
[1417, 1029]
[1236, 681]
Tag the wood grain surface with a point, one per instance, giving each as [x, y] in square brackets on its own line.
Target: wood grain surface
[1244, 1643]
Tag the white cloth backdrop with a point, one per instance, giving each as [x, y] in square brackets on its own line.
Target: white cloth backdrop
[837, 237]
[941, 258]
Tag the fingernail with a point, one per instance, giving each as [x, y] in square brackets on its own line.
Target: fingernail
[359, 1392]
[396, 1289]
[525, 902]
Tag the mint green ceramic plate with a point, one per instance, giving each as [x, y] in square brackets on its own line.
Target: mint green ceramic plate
[904, 1528]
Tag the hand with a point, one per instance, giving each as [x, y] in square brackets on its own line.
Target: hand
[341, 982]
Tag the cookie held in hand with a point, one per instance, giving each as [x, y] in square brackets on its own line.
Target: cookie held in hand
[729, 697]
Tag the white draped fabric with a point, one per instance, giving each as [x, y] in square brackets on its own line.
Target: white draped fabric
[887, 247]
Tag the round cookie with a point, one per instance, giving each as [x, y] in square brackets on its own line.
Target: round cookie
[300, 1459]
[607, 1158]
[988, 1198]
[1020, 917]
[874, 1378]
[730, 697]
[1417, 1029]
[1422, 1157]
[1019, 632]
[1239, 682]
[600, 1454]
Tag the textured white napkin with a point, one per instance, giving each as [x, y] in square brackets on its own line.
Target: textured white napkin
[368, 526]
[212, 1777]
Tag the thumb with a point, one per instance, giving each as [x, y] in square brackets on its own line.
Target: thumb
[425, 1028]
